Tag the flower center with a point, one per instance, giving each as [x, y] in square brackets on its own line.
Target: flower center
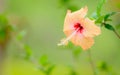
[79, 27]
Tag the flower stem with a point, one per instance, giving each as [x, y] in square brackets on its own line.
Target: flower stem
[116, 34]
[92, 63]
[31, 59]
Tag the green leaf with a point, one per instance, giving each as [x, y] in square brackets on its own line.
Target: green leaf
[73, 72]
[100, 19]
[28, 51]
[2, 35]
[12, 28]
[109, 15]
[49, 70]
[103, 66]
[77, 51]
[70, 45]
[64, 2]
[109, 27]
[44, 60]
[118, 5]
[99, 7]
[72, 8]
[21, 35]
[3, 22]
[109, 20]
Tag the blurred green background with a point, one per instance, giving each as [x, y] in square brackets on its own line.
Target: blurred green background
[43, 22]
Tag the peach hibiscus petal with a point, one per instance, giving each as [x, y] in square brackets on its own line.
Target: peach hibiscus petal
[63, 42]
[67, 21]
[79, 30]
[80, 13]
[84, 42]
[74, 17]
[68, 33]
[91, 29]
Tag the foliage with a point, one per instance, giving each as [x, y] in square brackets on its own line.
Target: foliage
[43, 62]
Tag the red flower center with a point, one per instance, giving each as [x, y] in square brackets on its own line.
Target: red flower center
[78, 27]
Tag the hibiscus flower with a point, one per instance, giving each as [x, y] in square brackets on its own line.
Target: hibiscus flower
[79, 29]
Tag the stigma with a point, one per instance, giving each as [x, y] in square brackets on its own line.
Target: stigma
[63, 42]
[78, 27]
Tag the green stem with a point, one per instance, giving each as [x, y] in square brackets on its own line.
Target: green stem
[92, 63]
[2, 58]
[32, 59]
[75, 65]
[116, 34]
